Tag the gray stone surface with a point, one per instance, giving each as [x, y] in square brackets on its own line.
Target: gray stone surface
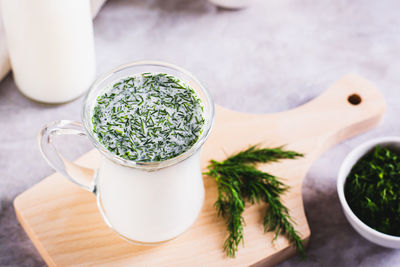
[273, 56]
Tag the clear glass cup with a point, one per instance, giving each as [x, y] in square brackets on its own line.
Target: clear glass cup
[143, 202]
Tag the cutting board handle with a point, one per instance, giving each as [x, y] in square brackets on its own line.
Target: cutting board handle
[349, 107]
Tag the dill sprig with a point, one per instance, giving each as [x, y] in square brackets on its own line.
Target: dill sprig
[239, 181]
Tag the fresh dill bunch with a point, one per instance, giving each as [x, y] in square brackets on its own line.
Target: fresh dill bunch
[239, 181]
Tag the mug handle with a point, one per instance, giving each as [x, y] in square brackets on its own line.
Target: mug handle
[81, 176]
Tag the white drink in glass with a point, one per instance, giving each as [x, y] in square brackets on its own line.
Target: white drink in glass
[170, 198]
[143, 202]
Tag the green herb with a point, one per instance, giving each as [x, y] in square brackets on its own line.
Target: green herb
[372, 190]
[239, 181]
[148, 117]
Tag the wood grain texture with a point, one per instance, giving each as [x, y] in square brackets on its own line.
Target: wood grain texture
[64, 224]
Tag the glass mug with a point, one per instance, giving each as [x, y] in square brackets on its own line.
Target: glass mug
[143, 202]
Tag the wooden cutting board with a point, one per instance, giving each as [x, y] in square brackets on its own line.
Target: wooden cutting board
[64, 224]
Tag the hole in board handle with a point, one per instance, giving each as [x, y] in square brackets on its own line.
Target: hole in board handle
[354, 99]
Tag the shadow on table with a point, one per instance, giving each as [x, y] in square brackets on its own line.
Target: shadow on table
[333, 241]
[16, 248]
[170, 6]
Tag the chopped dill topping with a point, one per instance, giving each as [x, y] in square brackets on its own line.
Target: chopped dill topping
[372, 190]
[148, 117]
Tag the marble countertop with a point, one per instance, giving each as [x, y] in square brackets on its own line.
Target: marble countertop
[273, 56]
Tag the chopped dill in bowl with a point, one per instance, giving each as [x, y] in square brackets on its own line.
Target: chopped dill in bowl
[148, 117]
[372, 190]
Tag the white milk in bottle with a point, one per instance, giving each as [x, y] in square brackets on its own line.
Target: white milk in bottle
[51, 47]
